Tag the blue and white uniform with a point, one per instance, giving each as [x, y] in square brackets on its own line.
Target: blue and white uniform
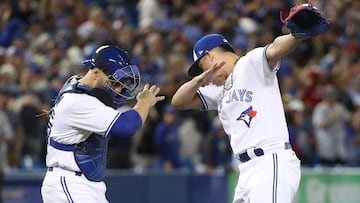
[74, 122]
[251, 112]
[80, 123]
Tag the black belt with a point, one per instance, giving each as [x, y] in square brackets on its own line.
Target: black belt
[244, 157]
[77, 173]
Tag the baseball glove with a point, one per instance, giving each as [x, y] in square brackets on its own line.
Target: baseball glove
[305, 21]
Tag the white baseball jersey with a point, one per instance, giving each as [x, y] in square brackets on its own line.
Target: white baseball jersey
[78, 130]
[251, 111]
[77, 117]
[73, 119]
[249, 104]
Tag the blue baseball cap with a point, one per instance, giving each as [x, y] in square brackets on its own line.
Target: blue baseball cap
[206, 43]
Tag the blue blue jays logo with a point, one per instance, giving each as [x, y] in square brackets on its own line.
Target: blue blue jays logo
[247, 116]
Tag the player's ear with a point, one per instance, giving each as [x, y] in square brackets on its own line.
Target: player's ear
[206, 56]
[98, 71]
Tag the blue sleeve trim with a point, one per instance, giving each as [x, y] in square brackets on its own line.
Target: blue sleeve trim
[276, 67]
[202, 99]
[111, 124]
[126, 124]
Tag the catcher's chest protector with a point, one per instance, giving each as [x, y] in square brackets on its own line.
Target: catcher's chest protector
[90, 156]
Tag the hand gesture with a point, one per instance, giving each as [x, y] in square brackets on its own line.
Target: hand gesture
[208, 76]
[149, 95]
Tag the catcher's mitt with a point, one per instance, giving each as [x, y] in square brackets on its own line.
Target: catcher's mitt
[305, 21]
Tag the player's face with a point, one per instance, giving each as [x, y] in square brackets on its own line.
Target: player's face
[116, 86]
[106, 81]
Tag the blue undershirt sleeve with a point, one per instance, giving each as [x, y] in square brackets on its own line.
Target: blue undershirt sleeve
[126, 125]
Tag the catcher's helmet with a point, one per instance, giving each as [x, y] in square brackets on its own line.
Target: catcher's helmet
[114, 62]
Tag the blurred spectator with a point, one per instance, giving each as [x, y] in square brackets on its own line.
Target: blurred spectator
[329, 119]
[300, 131]
[11, 25]
[344, 96]
[167, 141]
[6, 135]
[152, 61]
[313, 89]
[143, 153]
[149, 11]
[241, 44]
[124, 36]
[34, 125]
[217, 151]
[353, 140]
[7, 100]
[8, 79]
[354, 91]
[190, 138]
[96, 28]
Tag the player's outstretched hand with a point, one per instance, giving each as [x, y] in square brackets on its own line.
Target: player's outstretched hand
[149, 95]
[208, 76]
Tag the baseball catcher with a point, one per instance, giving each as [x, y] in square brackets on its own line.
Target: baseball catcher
[82, 120]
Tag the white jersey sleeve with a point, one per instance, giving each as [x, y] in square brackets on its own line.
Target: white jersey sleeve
[74, 118]
[262, 65]
[6, 130]
[78, 116]
[209, 96]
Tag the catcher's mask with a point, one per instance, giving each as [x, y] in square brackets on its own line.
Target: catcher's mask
[123, 77]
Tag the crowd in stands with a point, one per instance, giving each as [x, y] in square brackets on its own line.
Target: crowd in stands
[42, 43]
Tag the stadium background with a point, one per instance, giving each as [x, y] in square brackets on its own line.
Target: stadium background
[43, 41]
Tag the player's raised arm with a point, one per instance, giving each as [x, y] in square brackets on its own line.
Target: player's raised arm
[304, 21]
[186, 96]
[281, 47]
